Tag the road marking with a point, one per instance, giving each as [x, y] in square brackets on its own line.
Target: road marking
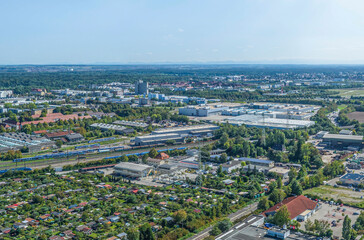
[251, 219]
[240, 225]
[225, 234]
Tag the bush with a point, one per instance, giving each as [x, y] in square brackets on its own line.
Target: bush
[215, 231]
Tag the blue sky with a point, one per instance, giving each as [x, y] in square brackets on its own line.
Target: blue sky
[181, 31]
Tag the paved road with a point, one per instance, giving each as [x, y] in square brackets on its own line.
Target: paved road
[333, 116]
[234, 216]
[59, 162]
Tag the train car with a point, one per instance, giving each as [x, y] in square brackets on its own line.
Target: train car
[24, 159]
[22, 169]
[116, 149]
[27, 169]
[112, 157]
[163, 150]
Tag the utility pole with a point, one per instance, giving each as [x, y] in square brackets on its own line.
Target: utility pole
[263, 133]
[288, 117]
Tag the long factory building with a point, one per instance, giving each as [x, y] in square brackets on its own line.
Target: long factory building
[272, 123]
[160, 138]
[16, 141]
[175, 134]
[191, 130]
[342, 140]
[272, 110]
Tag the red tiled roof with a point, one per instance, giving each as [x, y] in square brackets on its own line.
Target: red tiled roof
[40, 131]
[295, 205]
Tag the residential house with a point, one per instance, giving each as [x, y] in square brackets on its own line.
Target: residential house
[68, 234]
[56, 238]
[84, 229]
[122, 235]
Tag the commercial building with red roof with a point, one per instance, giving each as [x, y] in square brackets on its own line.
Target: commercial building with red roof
[58, 135]
[299, 207]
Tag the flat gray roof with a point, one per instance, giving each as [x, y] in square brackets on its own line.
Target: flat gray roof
[132, 166]
[187, 128]
[341, 136]
[158, 136]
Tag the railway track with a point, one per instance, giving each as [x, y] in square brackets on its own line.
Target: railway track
[58, 162]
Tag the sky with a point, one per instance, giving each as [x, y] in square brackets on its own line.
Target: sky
[181, 31]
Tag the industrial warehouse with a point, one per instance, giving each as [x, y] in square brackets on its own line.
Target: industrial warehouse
[160, 138]
[132, 170]
[260, 115]
[280, 111]
[191, 130]
[104, 127]
[175, 134]
[342, 140]
[17, 141]
[202, 111]
[131, 124]
[261, 121]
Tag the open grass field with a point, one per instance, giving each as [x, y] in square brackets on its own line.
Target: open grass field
[349, 92]
[347, 195]
[342, 106]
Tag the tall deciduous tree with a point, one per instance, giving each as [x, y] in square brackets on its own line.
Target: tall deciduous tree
[346, 228]
[146, 233]
[153, 153]
[282, 216]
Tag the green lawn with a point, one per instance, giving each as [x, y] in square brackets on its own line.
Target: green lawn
[342, 106]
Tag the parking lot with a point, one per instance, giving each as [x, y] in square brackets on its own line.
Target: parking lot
[331, 213]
